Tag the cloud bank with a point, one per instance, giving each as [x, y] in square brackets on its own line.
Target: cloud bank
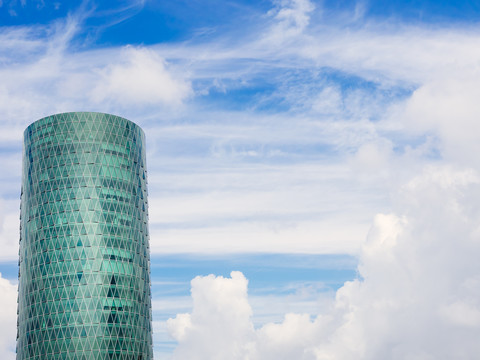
[417, 295]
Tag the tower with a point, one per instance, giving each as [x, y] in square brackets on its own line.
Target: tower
[84, 268]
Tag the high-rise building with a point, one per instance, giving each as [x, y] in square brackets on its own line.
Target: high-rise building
[84, 277]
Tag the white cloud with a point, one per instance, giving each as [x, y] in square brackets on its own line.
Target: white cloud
[328, 101]
[8, 318]
[462, 314]
[140, 77]
[417, 296]
[9, 229]
[292, 17]
[372, 157]
[41, 74]
[207, 333]
[448, 106]
[318, 237]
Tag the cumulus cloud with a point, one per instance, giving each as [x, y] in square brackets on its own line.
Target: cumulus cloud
[140, 77]
[417, 295]
[207, 333]
[448, 107]
[8, 318]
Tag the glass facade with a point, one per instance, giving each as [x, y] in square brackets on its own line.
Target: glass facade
[84, 276]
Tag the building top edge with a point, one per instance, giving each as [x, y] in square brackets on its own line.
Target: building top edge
[45, 118]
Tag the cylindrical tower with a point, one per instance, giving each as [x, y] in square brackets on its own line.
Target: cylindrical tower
[84, 277]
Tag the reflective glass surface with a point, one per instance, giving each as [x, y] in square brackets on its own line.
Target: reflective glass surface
[84, 278]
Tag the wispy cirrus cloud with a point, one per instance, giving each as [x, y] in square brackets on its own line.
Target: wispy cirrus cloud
[361, 99]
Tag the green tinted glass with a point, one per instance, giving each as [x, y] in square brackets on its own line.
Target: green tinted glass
[84, 280]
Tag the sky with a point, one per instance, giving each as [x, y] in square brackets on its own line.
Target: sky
[313, 168]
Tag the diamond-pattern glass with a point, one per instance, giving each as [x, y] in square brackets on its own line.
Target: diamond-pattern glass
[84, 277]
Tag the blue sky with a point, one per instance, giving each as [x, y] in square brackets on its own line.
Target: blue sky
[325, 152]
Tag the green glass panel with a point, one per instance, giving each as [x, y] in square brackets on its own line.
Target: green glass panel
[84, 286]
